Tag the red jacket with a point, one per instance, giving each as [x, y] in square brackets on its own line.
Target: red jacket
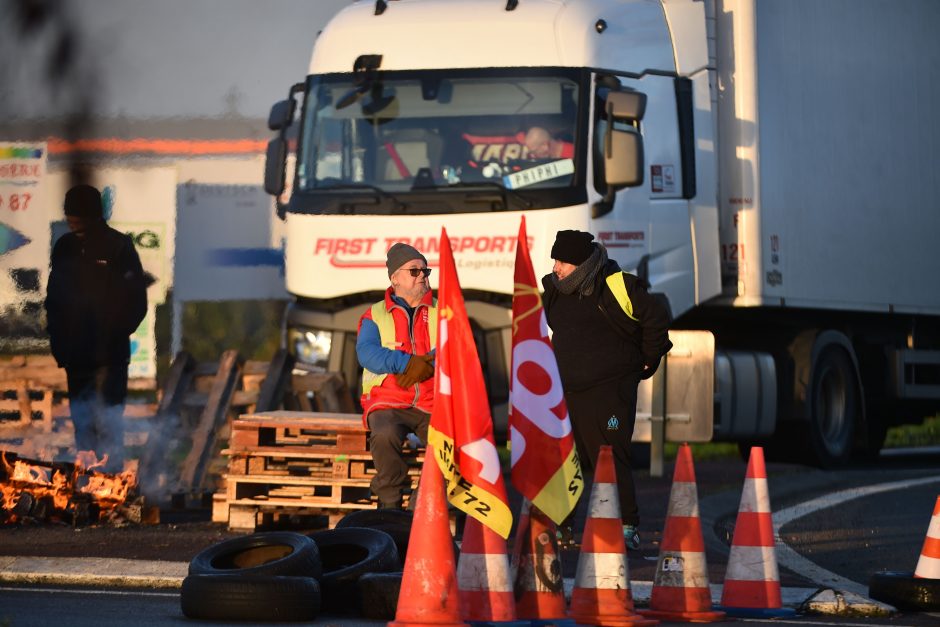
[381, 391]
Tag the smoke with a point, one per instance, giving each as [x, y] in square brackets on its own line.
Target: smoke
[51, 89]
[157, 476]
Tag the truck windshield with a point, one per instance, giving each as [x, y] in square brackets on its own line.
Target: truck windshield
[402, 132]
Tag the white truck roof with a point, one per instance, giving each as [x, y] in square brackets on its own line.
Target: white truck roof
[428, 34]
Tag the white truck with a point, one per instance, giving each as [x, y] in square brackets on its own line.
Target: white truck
[767, 165]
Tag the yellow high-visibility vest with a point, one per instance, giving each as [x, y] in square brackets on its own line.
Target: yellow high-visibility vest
[619, 290]
[386, 323]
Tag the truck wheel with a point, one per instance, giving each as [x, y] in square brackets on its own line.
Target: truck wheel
[378, 595]
[833, 407]
[272, 553]
[250, 598]
[347, 554]
[394, 522]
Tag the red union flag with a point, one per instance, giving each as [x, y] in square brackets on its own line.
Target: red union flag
[545, 465]
[461, 429]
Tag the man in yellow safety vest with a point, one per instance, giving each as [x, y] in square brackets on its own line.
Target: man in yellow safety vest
[395, 345]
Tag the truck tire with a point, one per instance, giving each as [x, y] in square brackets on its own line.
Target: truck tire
[905, 592]
[394, 522]
[833, 406]
[272, 553]
[378, 595]
[258, 598]
[346, 555]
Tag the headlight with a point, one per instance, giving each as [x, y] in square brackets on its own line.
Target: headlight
[311, 347]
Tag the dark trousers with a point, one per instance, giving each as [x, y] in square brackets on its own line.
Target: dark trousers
[388, 430]
[96, 405]
[606, 414]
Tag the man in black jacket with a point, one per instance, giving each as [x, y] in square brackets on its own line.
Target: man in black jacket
[608, 334]
[95, 299]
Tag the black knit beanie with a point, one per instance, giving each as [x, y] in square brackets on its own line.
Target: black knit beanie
[400, 254]
[573, 247]
[83, 201]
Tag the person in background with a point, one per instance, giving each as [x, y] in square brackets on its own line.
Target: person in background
[395, 345]
[608, 334]
[95, 299]
[540, 145]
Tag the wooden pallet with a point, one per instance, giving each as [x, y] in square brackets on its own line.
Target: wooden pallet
[320, 431]
[27, 402]
[278, 462]
[250, 517]
[287, 463]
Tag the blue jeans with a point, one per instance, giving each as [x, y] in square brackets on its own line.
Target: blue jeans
[96, 405]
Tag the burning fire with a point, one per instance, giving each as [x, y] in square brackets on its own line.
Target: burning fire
[64, 486]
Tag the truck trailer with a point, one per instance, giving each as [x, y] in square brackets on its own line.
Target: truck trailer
[766, 165]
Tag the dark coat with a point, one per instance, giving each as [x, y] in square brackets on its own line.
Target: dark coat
[96, 298]
[592, 345]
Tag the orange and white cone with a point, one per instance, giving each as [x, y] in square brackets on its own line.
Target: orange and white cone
[680, 587]
[602, 594]
[483, 579]
[928, 566]
[536, 561]
[752, 582]
[429, 583]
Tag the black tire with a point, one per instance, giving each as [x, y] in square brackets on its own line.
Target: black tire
[378, 595]
[346, 555]
[394, 522]
[905, 592]
[259, 598]
[274, 553]
[833, 407]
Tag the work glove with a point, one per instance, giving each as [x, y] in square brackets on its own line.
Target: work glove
[420, 368]
[650, 369]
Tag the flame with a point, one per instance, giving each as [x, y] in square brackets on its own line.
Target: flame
[109, 490]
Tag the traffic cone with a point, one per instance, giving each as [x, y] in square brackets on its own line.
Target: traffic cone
[752, 583]
[602, 594]
[928, 566]
[429, 583]
[483, 579]
[680, 587]
[536, 561]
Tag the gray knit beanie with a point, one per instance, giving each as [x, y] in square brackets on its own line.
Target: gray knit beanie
[400, 254]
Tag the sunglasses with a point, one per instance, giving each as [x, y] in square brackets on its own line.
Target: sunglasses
[416, 272]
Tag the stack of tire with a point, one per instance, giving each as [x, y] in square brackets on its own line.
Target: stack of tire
[288, 576]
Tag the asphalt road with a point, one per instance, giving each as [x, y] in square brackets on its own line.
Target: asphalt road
[45, 607]
[852, 538]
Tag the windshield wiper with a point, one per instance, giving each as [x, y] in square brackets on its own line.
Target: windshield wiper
[504, 191]
[378, 192]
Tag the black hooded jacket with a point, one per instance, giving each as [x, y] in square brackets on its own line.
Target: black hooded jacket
[593, 337]
[95, 299]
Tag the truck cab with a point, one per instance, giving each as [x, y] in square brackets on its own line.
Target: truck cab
[411, 120]
[664, 128]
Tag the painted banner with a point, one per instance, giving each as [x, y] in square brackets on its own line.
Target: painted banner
[545, 464]
[24, 231]
[461, 429]
[143, 363]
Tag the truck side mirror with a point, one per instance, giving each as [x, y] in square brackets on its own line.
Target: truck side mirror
[623, 158]
[282, 114]
[626, 105]
[623, 145]
[275, 166]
